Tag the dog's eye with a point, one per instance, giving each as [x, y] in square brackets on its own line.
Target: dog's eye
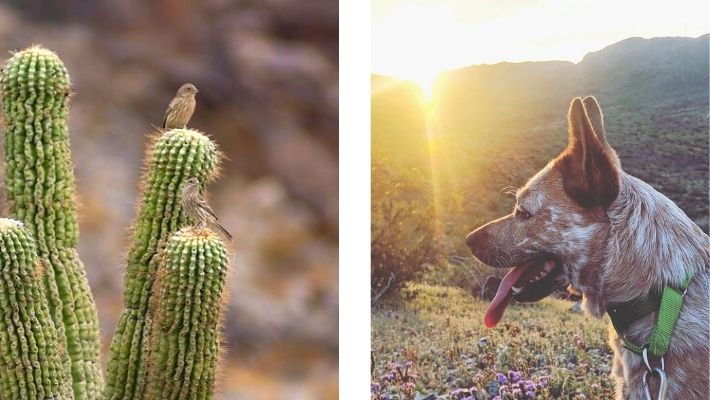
[522, 213]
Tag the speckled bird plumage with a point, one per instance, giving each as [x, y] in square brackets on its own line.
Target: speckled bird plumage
[196, 207]
[181, 107]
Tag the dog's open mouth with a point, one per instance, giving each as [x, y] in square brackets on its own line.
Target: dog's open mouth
[526, 283]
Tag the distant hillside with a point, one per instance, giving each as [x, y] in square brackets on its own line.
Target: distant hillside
[629, 72]
[497, 124]
[648, 68]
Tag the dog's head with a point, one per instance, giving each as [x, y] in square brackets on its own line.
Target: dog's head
[559, 220]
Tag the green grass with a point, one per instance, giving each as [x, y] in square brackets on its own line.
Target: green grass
[439, 330]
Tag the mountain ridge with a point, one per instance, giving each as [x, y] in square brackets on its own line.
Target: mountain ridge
[495, 125]
[635, 40]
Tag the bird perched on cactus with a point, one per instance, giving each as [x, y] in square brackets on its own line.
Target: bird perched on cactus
[181, 107]
[196, 207]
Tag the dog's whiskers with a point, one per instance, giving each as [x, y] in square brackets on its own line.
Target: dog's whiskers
[510, 191]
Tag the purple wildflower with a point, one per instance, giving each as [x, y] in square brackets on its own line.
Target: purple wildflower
[530, 394]
[529, 385]
[514, 376]
[407, 385]
[501, 378]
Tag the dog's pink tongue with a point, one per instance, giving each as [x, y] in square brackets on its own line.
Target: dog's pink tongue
[504, 295]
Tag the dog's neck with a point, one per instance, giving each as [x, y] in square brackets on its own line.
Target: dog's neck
[650, 242]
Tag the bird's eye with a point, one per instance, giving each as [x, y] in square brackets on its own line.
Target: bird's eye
[522, 213]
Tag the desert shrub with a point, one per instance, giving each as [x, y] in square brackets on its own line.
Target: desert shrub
[403, 226]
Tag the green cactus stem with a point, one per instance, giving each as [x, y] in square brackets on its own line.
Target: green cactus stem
[39, 183]
[32, 363]
[187, 313]
[175, 156]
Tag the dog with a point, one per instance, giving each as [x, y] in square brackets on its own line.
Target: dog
[583, 223]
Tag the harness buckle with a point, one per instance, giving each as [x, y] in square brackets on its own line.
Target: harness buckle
[644, 353]
[662, 387]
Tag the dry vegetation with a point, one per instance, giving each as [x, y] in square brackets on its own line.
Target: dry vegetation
[434, 346]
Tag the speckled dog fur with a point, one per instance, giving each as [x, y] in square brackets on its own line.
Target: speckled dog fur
[616, 238]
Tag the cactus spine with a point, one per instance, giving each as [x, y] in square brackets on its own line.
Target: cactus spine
[186, 332]
[32, 363]
[39, 181]
[175, 156]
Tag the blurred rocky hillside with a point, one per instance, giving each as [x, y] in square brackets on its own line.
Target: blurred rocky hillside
[268, 78]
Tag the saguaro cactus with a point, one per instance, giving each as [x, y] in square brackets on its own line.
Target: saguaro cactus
[49, 340]
[184, 349]
[174, 157]
[32, 363]
[39, 183]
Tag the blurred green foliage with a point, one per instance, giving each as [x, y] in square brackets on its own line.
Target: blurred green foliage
[403, 231]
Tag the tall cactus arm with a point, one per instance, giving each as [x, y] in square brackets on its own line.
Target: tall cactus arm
[173, 157]
[39, 183]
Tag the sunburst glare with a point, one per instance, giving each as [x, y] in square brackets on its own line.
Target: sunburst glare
[426, 80]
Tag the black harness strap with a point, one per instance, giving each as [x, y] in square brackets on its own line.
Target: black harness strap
[624, 314]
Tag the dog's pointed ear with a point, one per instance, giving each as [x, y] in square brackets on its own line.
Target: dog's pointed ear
[596, 118]
[589, 167]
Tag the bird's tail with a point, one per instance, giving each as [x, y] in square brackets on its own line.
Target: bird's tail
[224, 231]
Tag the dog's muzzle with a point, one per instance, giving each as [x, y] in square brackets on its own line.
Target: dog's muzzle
[477, 239]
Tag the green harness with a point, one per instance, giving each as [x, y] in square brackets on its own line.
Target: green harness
[668, 303]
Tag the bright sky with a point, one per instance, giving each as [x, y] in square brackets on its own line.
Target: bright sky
[417, 39]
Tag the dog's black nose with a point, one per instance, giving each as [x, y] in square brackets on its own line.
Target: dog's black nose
[475, 238]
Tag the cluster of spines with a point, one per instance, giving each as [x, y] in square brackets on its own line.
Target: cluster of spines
[184, 350]
[175, 156]
[39, 183]
[32, 361]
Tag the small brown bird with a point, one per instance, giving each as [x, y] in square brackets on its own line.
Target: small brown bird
[181, 107]
[196, 206]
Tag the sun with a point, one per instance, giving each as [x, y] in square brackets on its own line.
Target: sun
[426, 80]
[412, 42]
